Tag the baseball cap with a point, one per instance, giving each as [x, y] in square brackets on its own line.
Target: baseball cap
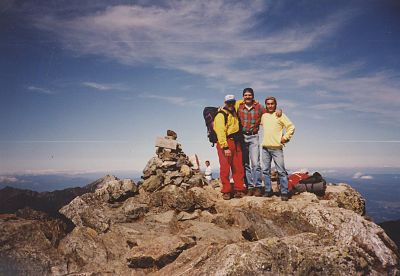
[230, 98]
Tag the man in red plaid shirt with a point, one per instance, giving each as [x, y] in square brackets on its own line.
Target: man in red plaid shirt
[250, 112]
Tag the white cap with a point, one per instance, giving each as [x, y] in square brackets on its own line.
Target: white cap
[230, 98]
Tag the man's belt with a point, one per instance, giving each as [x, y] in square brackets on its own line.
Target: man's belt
[253, 132]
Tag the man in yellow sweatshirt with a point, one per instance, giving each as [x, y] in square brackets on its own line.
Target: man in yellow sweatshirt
[226, 126]
[273, 141]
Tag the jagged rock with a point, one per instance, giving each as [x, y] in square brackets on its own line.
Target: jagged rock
[28, 245]
[163, 218]
[87, 210]
[186, 170]
[134, 210]
[151, 167]
[117, 190]
[346, 197]
[159, 251]
[178, 181]
[173, 197]
[172, 134]
[166, 143]
[153, 183]
[182, 160]
[99, 183]
[202, 199]
[168, 165]
[182, 216]
[83, 247]
[167, 155]
[197, 180]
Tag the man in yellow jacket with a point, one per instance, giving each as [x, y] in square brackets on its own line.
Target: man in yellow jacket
[273, 141]
[226, 126]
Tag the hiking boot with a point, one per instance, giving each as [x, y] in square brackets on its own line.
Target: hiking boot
[239, 194]
[250, 191]
[226, 196]
[284, 197]
[257, 192]
[268, 194]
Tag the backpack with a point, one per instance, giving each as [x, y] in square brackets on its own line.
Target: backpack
[314, 184]
[209, 114]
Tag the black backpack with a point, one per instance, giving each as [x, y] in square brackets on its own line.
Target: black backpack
[209, 114]
[314, 184]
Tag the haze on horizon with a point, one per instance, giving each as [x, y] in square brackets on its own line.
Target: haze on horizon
[89, 85]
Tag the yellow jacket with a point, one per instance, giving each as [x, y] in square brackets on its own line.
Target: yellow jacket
[222, 129]
[273, 130]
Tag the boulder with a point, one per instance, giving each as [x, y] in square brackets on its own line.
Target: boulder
[153, 183]
[159, 251]
[133, 210]
[172, 197]
[28, 245]
[117, 190]
[88, 210]
[346, 197]
[186, 170]
[152, 165]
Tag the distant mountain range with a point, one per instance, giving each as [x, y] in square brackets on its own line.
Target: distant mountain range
[380, 190]
[13, 199]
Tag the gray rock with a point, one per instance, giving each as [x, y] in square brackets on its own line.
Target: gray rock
[152, 165]
[172, 197]
[134, 210]
[28, 245]
[197, 180]
[166, 143]
[168, 165]
[346, 197]
[186, 170]
[178, 181]
[182, 216]
[117, 190]
[87, 210]
[159, 252]
[153, 183]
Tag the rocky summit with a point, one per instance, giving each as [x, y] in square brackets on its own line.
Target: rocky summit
[176, 223]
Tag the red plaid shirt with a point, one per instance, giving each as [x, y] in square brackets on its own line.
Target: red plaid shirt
[250, 119]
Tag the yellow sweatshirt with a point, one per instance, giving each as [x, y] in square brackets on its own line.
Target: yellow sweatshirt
[223, 129]
[273, 130]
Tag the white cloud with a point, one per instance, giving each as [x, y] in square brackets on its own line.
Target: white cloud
[360, 175]
[40, 90]
[210, 39]
[104, 86]
[180, 101]
[367, 177]
[8, 179]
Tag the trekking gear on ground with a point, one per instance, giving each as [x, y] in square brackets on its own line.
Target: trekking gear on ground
[209, 114]
[314, 184]
[295, 178]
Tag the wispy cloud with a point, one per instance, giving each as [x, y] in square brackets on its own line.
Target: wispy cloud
[105, 86]
[40, 90]
[180, 101]
[366, 141]
[221, 40]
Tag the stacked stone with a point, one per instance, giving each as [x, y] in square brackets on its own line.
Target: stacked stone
[170, 166]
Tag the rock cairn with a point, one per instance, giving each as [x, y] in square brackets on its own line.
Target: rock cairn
[170, 166]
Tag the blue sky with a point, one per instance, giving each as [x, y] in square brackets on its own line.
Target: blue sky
[88, 85]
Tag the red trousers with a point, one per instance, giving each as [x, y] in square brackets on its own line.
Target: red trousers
[234, 163]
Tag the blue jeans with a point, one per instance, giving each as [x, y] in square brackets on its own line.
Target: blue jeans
[277, 155]
[251, 161]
